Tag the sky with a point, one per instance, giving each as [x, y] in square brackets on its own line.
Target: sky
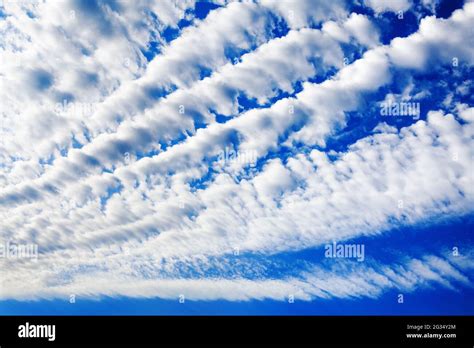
[229, 158]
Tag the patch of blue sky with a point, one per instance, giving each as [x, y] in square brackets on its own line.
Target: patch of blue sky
[47, 161]
[393, 25]
[111, 190]
[152, 49]
[445, 8]
[203, 8]
[280, 27]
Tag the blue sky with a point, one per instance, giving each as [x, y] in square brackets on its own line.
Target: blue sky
[191, 157]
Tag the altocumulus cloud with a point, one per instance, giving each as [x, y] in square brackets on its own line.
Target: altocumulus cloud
[117, 121]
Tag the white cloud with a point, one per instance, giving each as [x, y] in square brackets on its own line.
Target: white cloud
[380, 6]
[358, 26]
[436, 41]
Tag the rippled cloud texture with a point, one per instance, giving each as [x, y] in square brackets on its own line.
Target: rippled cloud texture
[289, 151]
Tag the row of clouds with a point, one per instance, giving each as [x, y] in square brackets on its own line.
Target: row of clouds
[104, 221]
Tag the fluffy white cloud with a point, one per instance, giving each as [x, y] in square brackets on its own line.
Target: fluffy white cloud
[358, 26]
[437, 41]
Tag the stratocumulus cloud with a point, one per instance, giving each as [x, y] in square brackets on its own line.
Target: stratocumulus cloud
[152, 149]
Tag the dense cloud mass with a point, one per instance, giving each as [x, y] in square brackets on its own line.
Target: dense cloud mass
[213, 149]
